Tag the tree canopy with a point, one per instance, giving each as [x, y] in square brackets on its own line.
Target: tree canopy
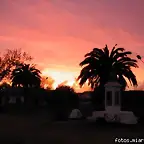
[26, 75]
[99, 63]
[10, 59]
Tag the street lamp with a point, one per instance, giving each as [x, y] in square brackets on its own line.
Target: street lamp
[139, 57]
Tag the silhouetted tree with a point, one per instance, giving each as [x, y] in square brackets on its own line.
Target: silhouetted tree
[64, 100]
[98, 67]
[65, 88]
[99, 63]
[26, 75]
[10, 59]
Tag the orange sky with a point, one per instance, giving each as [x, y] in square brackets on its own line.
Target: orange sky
[57, 33]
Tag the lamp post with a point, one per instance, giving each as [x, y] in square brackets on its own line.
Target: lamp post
[140, 58]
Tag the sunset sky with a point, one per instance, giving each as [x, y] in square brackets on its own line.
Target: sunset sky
[57, 33]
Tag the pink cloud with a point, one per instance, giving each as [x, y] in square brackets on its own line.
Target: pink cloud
[60, 32]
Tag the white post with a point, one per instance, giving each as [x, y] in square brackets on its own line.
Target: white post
[112, 97]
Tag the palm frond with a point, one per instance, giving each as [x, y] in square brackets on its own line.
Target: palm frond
[121, 55]
[115, 51]
[99, 63]
[106, 51]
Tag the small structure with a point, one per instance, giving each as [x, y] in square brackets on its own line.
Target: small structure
[113, 111]
[112, 100]
[112, 97]
[75, 114]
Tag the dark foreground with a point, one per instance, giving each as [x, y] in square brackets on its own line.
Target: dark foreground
[37, 129]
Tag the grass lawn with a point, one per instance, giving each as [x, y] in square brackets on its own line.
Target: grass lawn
[37, 129]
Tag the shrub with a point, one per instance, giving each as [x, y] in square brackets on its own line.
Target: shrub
[64, 99]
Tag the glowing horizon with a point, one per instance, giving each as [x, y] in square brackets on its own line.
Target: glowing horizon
[60, 77]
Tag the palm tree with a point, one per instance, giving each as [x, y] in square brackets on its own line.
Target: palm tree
[99, 63]
[26, 75]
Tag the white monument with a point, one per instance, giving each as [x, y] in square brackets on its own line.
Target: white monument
[112, 97]
[113, 105]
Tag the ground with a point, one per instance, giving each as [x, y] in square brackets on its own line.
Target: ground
[37, 129]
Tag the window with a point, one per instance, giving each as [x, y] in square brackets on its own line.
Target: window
[117, 98]
[109, 98]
